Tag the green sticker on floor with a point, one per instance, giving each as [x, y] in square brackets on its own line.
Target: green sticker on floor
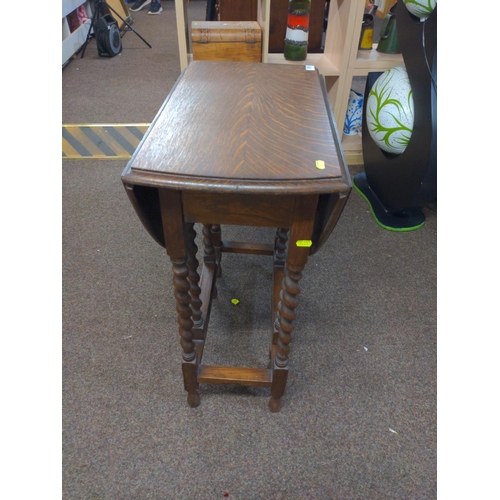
[109, 142]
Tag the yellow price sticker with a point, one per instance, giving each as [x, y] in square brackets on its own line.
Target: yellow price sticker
[304, 243]
[320, 164]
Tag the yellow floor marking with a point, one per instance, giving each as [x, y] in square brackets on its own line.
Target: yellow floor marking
[68, 149]
[115, 141]
[110, 141]
[129, 136]
[91, 146]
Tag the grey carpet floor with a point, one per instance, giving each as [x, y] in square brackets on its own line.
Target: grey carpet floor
[359, 414]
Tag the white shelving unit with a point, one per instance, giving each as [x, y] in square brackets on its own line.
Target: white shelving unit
[359, 63]
[73, 40]
[339, 63]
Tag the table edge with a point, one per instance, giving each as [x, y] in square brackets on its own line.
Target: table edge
[182, 183]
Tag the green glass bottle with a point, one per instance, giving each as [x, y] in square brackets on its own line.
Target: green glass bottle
[297, 30]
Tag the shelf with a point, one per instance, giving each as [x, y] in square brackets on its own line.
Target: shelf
[371, 60]
[69, 6]
[353, 149]
[73, 42]
[321, 61]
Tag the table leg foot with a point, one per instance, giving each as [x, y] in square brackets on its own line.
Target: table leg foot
[275, 404]
[193, 399]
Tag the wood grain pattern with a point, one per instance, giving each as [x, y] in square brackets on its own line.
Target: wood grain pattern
[227, 51]
[233, 208]
[218, 31]
[234, 375]
[242, 122]
[226, 41]
[231, 10]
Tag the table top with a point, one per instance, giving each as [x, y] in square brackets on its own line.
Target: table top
[246, 127]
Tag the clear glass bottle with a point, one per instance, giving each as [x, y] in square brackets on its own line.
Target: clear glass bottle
[297, 30]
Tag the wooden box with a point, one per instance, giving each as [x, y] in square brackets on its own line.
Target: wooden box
[226, 41]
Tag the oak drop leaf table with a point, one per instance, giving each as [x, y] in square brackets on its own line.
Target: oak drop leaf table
[249, 144]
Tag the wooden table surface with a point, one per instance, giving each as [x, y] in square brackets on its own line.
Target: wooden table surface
[246, 127]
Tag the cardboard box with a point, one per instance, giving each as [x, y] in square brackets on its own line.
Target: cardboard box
[226, 41]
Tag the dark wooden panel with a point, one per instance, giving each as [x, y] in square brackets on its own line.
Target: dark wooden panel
[247, 248]
[256, 210]
[173, 227]
[236, 10]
